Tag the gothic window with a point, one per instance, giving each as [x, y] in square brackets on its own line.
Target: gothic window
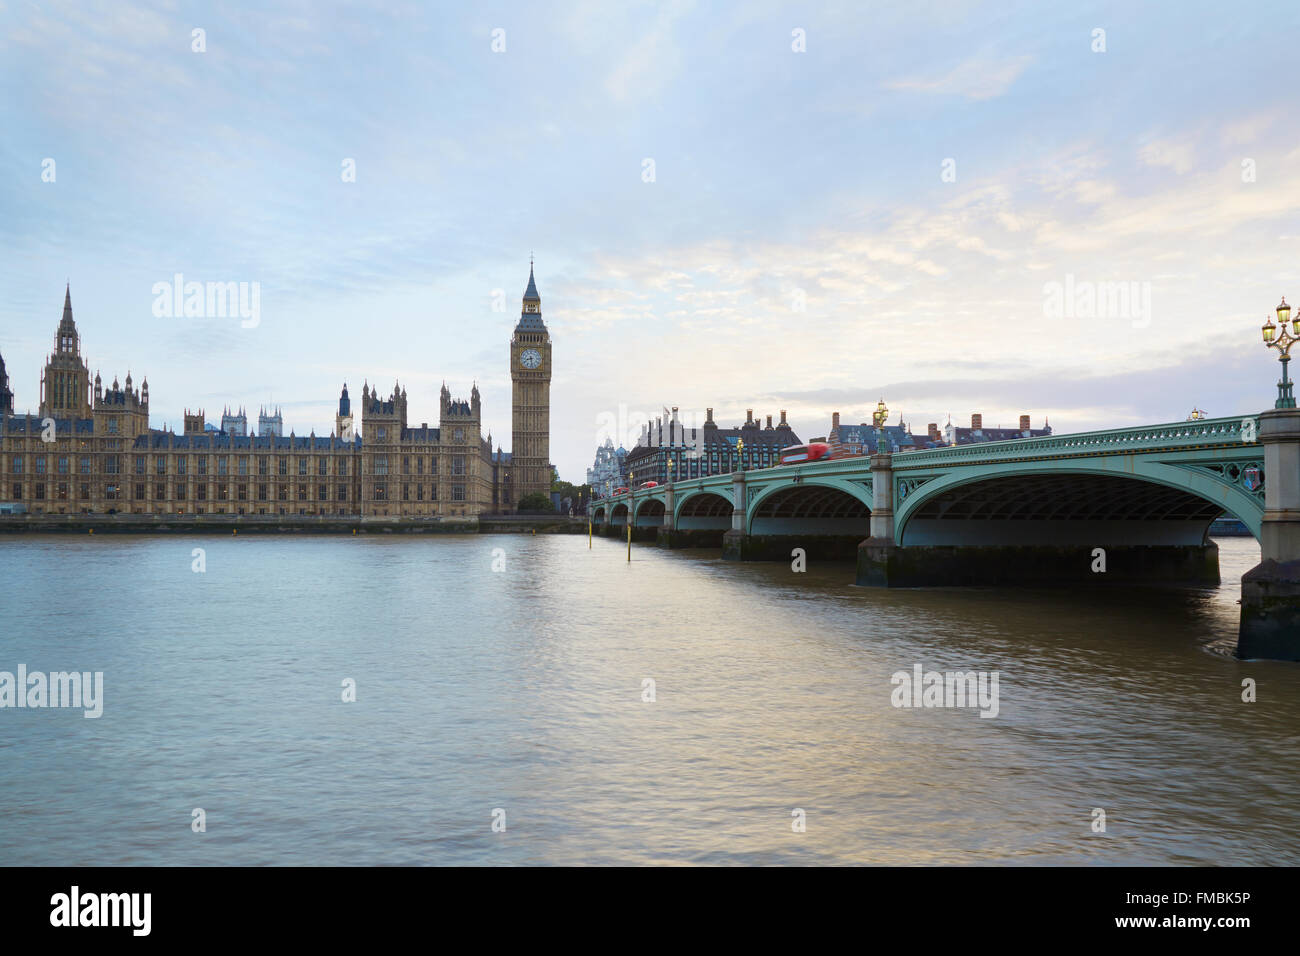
[139, 464]
[458, 464]
[302, 466]
[223, 465]
[18, 464]
[63, 465]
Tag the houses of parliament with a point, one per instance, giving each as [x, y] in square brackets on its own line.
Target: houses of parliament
[90, 448]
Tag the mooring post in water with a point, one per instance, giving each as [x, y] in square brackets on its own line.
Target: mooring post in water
[629, 534]
[589, 532]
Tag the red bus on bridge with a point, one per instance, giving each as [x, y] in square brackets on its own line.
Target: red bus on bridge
[798, 454]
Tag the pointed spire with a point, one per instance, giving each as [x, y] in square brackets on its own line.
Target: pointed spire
[530, 294]
[67, 303]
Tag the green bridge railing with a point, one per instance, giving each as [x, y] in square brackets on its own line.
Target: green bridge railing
[1202, 433]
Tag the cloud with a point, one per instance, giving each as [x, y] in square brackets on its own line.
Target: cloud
[1178, 156]
[979, 78]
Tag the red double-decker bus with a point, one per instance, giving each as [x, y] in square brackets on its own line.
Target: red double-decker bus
[798, 454]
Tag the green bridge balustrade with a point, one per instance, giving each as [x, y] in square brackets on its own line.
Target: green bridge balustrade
[1122, 506]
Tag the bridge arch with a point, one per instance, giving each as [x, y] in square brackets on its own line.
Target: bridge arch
[1105, 501]
[618, 514]
[598, 513]
[650, 513]
[826, 506]
[703, 510]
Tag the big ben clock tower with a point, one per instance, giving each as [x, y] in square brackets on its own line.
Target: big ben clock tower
[530, 373]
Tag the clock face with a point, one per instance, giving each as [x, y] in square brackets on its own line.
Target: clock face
[530, 358]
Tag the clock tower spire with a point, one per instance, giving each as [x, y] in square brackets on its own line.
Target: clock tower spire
[530, 376]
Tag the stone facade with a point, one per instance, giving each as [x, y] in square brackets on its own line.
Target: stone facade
[92, 451]
[530, 376]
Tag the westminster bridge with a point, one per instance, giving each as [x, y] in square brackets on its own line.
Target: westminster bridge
[1124, 506]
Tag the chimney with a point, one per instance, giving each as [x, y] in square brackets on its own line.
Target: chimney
[977, 422]
[1024, 423]
[769, 421]
[932, 431]
[708, 418]
[835, 419]
[783, 421]
[749, 416]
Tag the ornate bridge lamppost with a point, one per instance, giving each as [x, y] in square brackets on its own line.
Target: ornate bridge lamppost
[1283, 343]
[740, 455]
[878, 418]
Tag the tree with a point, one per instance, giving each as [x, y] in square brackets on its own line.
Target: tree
[536, 502]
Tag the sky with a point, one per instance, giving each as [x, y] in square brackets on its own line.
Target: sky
[756, 205]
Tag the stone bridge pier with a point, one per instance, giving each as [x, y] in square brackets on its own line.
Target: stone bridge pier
[1270, 592]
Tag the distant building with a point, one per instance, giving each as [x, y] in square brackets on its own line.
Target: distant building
[709, 450]
[609, 471]
[236, 426]
[952, 435]
[668, 431]
[849, 440]
[6, 395]
[271, 426]
[99, 455]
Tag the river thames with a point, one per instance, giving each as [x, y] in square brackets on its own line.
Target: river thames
[517, 695]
